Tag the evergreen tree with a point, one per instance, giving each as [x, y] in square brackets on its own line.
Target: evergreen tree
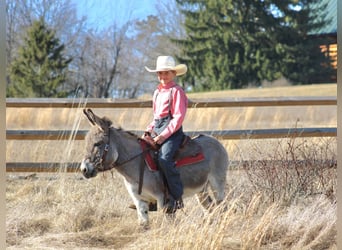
[231, 44]
[302, 61]
[40, 68]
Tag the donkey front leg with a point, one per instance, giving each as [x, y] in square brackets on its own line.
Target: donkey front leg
[142, 206]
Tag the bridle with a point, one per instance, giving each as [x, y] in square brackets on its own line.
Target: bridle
[99, 163]
[97, 160]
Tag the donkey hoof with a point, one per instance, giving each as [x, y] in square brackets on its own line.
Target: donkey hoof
[152, 207]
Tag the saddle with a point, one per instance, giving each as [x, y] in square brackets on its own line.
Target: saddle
[189, 152]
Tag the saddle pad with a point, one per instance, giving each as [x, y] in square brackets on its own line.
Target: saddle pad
[188, 160]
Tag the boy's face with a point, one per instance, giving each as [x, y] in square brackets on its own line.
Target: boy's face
[165, 77]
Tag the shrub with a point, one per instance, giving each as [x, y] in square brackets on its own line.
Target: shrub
[294, 167]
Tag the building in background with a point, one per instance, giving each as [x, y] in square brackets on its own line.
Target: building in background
[329, 32]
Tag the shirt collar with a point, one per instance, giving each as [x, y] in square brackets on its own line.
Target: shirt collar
[167, 86]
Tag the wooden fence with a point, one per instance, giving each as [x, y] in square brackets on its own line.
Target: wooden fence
[113, 103]
[193, 103]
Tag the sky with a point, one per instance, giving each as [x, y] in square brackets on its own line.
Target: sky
[102, 13]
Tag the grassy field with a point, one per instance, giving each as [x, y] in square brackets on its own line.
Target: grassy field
[277, 206]
[300, 90]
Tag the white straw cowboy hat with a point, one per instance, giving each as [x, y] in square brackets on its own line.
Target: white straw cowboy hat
[166, 63]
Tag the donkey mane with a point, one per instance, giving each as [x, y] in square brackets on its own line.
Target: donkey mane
[125, 132]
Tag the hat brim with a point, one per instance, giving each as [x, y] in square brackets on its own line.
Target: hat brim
[180, 69]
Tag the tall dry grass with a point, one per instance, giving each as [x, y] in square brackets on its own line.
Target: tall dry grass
[64, 211]
[283, 206]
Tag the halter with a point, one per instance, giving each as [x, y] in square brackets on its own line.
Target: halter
[98, 161]
[116, 164]
[99, 165]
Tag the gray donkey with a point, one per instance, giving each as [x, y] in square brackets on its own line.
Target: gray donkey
[108, 148]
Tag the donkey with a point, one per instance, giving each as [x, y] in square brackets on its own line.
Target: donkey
[109, 148]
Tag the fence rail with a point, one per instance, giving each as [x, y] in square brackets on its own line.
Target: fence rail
[193, 103]
[219, 134]
[113, 103]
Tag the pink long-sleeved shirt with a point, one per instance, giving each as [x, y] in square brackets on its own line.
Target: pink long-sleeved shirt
[178, 107]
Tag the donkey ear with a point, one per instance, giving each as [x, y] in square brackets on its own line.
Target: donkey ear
[103, 123]
[90, 115]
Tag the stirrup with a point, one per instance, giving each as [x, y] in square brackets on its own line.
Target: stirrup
[172, 205]
[179, 203]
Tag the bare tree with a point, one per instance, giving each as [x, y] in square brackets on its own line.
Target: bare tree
[152, 37]
[12, 23]
[98, 62]
[170, 25]
[110, 61]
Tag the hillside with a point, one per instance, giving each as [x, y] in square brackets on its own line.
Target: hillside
[302, 90]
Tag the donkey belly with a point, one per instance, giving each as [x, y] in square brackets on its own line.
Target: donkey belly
[213, 169]
[194, 177]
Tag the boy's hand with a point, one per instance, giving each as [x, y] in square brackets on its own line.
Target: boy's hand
[147, 137]
[159, 139]
[145, 134]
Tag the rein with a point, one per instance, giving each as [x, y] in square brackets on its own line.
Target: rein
[116, 165]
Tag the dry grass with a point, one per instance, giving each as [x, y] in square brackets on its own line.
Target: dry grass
[278, 90]
[64, 211]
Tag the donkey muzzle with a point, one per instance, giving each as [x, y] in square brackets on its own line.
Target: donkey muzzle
[88, 169]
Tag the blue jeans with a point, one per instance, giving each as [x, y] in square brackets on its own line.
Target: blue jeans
[167, 163]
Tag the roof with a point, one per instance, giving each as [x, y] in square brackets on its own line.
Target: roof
[331, 11]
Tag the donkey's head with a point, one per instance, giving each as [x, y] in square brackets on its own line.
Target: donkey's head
[100, 153]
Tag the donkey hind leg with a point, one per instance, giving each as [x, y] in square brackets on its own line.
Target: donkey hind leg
[204, 198]
[217, 185]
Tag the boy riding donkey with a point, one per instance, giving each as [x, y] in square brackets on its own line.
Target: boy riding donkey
[169, 108]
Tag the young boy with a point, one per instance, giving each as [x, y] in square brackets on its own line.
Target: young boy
[169, 109]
